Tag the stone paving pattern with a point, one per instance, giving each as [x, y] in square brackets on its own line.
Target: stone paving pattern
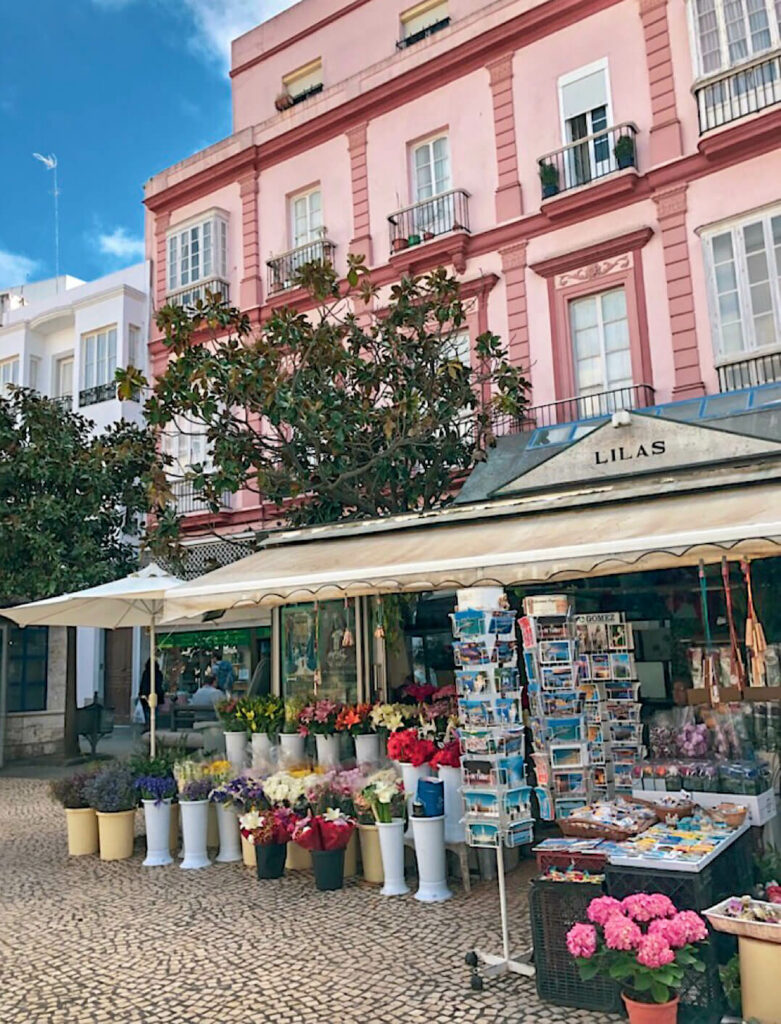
[88, 942]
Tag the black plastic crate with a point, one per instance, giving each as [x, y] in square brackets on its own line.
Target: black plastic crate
[554, 907]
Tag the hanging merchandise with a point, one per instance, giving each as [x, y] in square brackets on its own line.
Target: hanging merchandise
[737, 671]
[348, 639]
[756, 645]
[711, 664]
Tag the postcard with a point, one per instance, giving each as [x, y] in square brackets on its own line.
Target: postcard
[528, 634]
[476, 772]
[622, 666]
[484, 802]
[470, 652]
[483, 833]
[555, 652]
[556, 677]
[618, 636]
[509, 771]
[600, 666]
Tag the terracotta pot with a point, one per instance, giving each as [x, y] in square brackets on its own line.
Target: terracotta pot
[82, 827]
[651, 1013]
[371, 858]
[116, 831]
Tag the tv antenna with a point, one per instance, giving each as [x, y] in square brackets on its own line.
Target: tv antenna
[50, 163]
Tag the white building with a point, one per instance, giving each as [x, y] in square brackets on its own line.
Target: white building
[66, 338]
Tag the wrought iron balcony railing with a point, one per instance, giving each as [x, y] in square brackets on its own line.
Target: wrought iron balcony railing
[189, 501]
[588, 159]
[423, 33]
[282, 269]
[64, 401]
[429, 218]
[187, 297]
[572, 410]
[738, 92]
[101, 393]
[748, 373]
[305, 94]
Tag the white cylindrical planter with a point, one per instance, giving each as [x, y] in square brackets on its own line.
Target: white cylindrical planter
[392, 849]
[262, 748]
[410, 776]
[230, 837]
[195, 822]
[292, 746]
[236, 750]
[367, 748]
[327, 751]
[429, 835]
[157, 817]
[454, 803]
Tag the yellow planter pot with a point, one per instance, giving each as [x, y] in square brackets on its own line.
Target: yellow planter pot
[213, 828]
[371, 858]
[760, 980]
[298, 859]
[82, 831]
[351, 857]
[173, 839]
[116, 831]
[248, 853]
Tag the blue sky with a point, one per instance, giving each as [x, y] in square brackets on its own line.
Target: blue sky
[118, 90]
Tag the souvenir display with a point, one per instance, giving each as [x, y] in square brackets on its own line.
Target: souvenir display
[686, 845]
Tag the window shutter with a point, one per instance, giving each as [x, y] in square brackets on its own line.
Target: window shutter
[584, 94]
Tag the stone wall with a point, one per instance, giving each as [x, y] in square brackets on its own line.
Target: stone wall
[39, 733]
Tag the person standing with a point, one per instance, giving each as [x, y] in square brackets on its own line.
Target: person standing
[222, 672]
[144, 688]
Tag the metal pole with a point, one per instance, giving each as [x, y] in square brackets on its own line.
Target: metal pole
[503, 901]
[152, 689]
[56, 227]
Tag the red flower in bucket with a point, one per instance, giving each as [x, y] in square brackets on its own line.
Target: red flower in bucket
[328, 831]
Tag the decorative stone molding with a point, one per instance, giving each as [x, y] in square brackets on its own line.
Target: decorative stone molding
[507, 198]
[501, 70]
[514, 256]
[670, 202]
[593, 271]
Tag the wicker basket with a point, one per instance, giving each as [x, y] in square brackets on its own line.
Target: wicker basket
[664, 812]
[593, 830]
[746, 929]
[731, 814]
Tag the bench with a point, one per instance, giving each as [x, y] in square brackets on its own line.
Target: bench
[185, 717]
[93, 722]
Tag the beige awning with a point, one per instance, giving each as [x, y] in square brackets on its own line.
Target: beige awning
[597, 540]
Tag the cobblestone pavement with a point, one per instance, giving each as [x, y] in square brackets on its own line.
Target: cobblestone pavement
[87, 942]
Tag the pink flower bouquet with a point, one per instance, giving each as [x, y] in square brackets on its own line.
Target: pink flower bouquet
[319, 717]
[642, 942]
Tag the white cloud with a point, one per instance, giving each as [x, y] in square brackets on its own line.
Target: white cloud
[120, 245]
[16, 268]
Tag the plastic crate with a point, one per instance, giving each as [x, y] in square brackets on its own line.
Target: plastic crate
[591, 862]
[554, 907]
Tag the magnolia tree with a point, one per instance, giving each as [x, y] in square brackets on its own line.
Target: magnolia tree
[333, 413]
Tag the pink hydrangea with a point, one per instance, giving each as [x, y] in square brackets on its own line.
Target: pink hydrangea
[642, 906]
[621, 933]
[673, 930]
[582, 940]
[696, 930]
[601, 908]
[654, 951]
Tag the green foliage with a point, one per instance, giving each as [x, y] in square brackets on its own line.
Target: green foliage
[730, 980]
[71, 500]
[641, 983]
[161, 765]
[334, 413]
[549, 174]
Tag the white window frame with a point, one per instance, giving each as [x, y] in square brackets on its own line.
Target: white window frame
[310, 74]
[726, 63]
[570, 78]
[735, 227]
[314, 234]
[9, 373]
[428, 7]
[187, 447]
[105, 367]
[429, 143]
[65, 357]
[133, 356]
[34, 372]
[180, 235]
[606, 386]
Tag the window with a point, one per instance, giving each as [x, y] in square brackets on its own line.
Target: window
[431, 168]
[9, 374]
[312, 642]
[98, 358]
[744, 266]
[134, 346]
[600, 342]
[585, 112]
[305, 81]
[306, 218]
[188, 446]
[34, 373]
[423, 20]
[728, 32]
[64, 377]
[28, 655]
[198, 252]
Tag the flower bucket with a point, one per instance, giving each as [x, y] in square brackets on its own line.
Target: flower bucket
[82, 828]
[157, 817]
[351, 856]
[391, 837]
[329, 869]
[248, 853]
[236, 750]
[410, 776]
[270, 860]
[454, 803]
[367, 748]
[173, 835]
[212, 828]
[298, 859]
[195, 823]
[292, 747]
[262, 748]
[429, 835]
[116, 831]
[371, 857]
[651, 1013]
[432, 795]
[327, 751]
[230, 837]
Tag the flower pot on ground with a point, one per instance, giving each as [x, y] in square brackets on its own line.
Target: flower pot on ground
[174, 843]
[367, 748]
[327, 751]
[329, 869]
[212, 829]
[319, 718]
[413, 754]
[292, 748]
[113, 795]
[236, 749]
[268, 833]
[624, 152]
[116, 833]
[230, 837]
[351, 857]
[371, 856]
[157, 819]
[391, 839]
[80, 820]
[326, 837]
[429, 836]
[651, 1013]
[262, 747]
[298, 859]
[549, 179]
[411, 774]
[248, 853]
[270, 860]
[194, 809]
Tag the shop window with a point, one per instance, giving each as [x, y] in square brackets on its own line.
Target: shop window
[28, 656]
[744, 271]
[600, 342]
[729, 32]
[315, 659]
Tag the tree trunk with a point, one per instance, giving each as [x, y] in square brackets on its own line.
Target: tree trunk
[71, 738]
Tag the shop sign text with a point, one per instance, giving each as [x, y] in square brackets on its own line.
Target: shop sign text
[625, 453]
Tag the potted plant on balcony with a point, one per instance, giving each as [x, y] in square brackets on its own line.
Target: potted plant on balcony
[624, 152]
[113, 795]
[399, 243]
[80, 820]
[549, 178]
[283, 101]
[413, 239]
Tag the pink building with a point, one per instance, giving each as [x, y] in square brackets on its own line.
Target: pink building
[603, 175]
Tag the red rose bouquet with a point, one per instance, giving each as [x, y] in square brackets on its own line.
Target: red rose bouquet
[448, 756]
[407, 746]
[262, 828]
[330, 830]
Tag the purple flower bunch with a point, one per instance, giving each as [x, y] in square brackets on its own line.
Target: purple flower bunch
[155, 787]
[244, 792]
[693, 740]
[196, 789]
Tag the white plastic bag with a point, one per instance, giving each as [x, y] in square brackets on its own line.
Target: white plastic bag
[138, 713]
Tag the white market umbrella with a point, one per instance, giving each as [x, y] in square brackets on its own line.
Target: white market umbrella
[135, 600]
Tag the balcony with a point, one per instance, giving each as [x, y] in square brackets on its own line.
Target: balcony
[588, 159]
[751, 372]
[738, 92]
[283, 269]
[64, 402]
[305, 94]
[572, 410]
[421, 34]
[423, 221]
[188, 501]
[187, 297]
[98, 394]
